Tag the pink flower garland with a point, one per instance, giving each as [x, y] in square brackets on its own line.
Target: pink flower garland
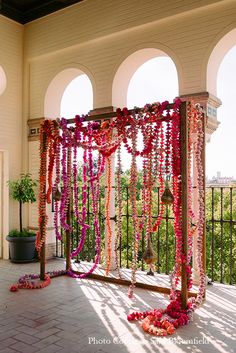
[153, 322]
[95, 191]
[201, 199]
[133, 191]
[85, 226]
[56, 192]
[119, 210]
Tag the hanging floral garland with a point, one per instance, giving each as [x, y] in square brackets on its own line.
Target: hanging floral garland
[56, 187]
[133, 200]
[47, 128]
[107, 215]
[94, 182]
[199, 147]
[84, 225]
[160, 128]
[164, 322]
[119, 210]
[161, 178]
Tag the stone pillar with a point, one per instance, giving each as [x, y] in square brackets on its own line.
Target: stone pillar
[34, 164]
[112, 209]
[210, 104]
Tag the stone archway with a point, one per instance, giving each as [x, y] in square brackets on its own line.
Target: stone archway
[127, 69]
[55, 90]
[216, 57]
[51, 110]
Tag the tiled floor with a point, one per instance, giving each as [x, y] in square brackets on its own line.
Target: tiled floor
[87, 316]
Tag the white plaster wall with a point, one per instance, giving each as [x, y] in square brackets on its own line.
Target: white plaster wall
[11, 60]
[98, 35]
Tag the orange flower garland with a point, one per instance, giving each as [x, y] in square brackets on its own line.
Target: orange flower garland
[45, 136]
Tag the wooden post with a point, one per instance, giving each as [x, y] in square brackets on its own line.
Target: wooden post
[43, 164]
[42, 262]
[68, 215]
[68, 242]
[184, 198]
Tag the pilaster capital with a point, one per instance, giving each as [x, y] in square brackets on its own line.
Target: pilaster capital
[34, 128]
[209, 103]
[102, 110]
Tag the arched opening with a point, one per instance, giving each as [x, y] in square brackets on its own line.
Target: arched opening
[220, 161]
[77, 97]
[150, 68]
[3, 81]
[149, 76]
[146, 76]
[68, 89]
[216, 57]
[155, 80]
[69, 93]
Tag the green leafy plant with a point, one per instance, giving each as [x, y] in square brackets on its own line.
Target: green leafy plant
[22, 190]
[16, 233]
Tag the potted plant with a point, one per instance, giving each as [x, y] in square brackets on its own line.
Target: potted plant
[22, 241]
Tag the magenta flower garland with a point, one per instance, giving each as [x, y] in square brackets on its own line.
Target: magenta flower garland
[119, 210]
[56, 190]
[136, 232]
[84, 225]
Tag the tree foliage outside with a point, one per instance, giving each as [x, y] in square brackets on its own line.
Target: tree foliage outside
[23, 191]
[220, 235]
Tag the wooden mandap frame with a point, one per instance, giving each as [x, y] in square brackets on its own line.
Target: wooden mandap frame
[184, 204]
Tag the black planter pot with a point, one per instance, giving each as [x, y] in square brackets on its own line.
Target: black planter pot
[22, 249]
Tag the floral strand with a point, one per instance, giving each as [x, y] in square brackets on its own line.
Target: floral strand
[56, 192]
[107, 214]
[45, 132]
[133, 196]
[119, 210]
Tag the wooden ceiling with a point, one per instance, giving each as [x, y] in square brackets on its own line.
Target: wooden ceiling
[24, 11]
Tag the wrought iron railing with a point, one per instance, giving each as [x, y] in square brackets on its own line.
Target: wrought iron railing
[220, 234]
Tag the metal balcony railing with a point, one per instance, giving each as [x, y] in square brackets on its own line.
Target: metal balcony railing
[220, 234]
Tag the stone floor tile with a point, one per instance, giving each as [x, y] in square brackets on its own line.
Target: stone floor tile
[63, 316]
[24, 348]
[26, 338]
[27, 330]
[67, 327]
[8, 342]
[7, 350]
[47, 333]
[52, 348]
[7, 334]
[46, 341]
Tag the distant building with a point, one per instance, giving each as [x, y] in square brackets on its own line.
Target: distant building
[218, 180]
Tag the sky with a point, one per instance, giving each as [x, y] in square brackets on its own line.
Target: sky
[157, 80]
